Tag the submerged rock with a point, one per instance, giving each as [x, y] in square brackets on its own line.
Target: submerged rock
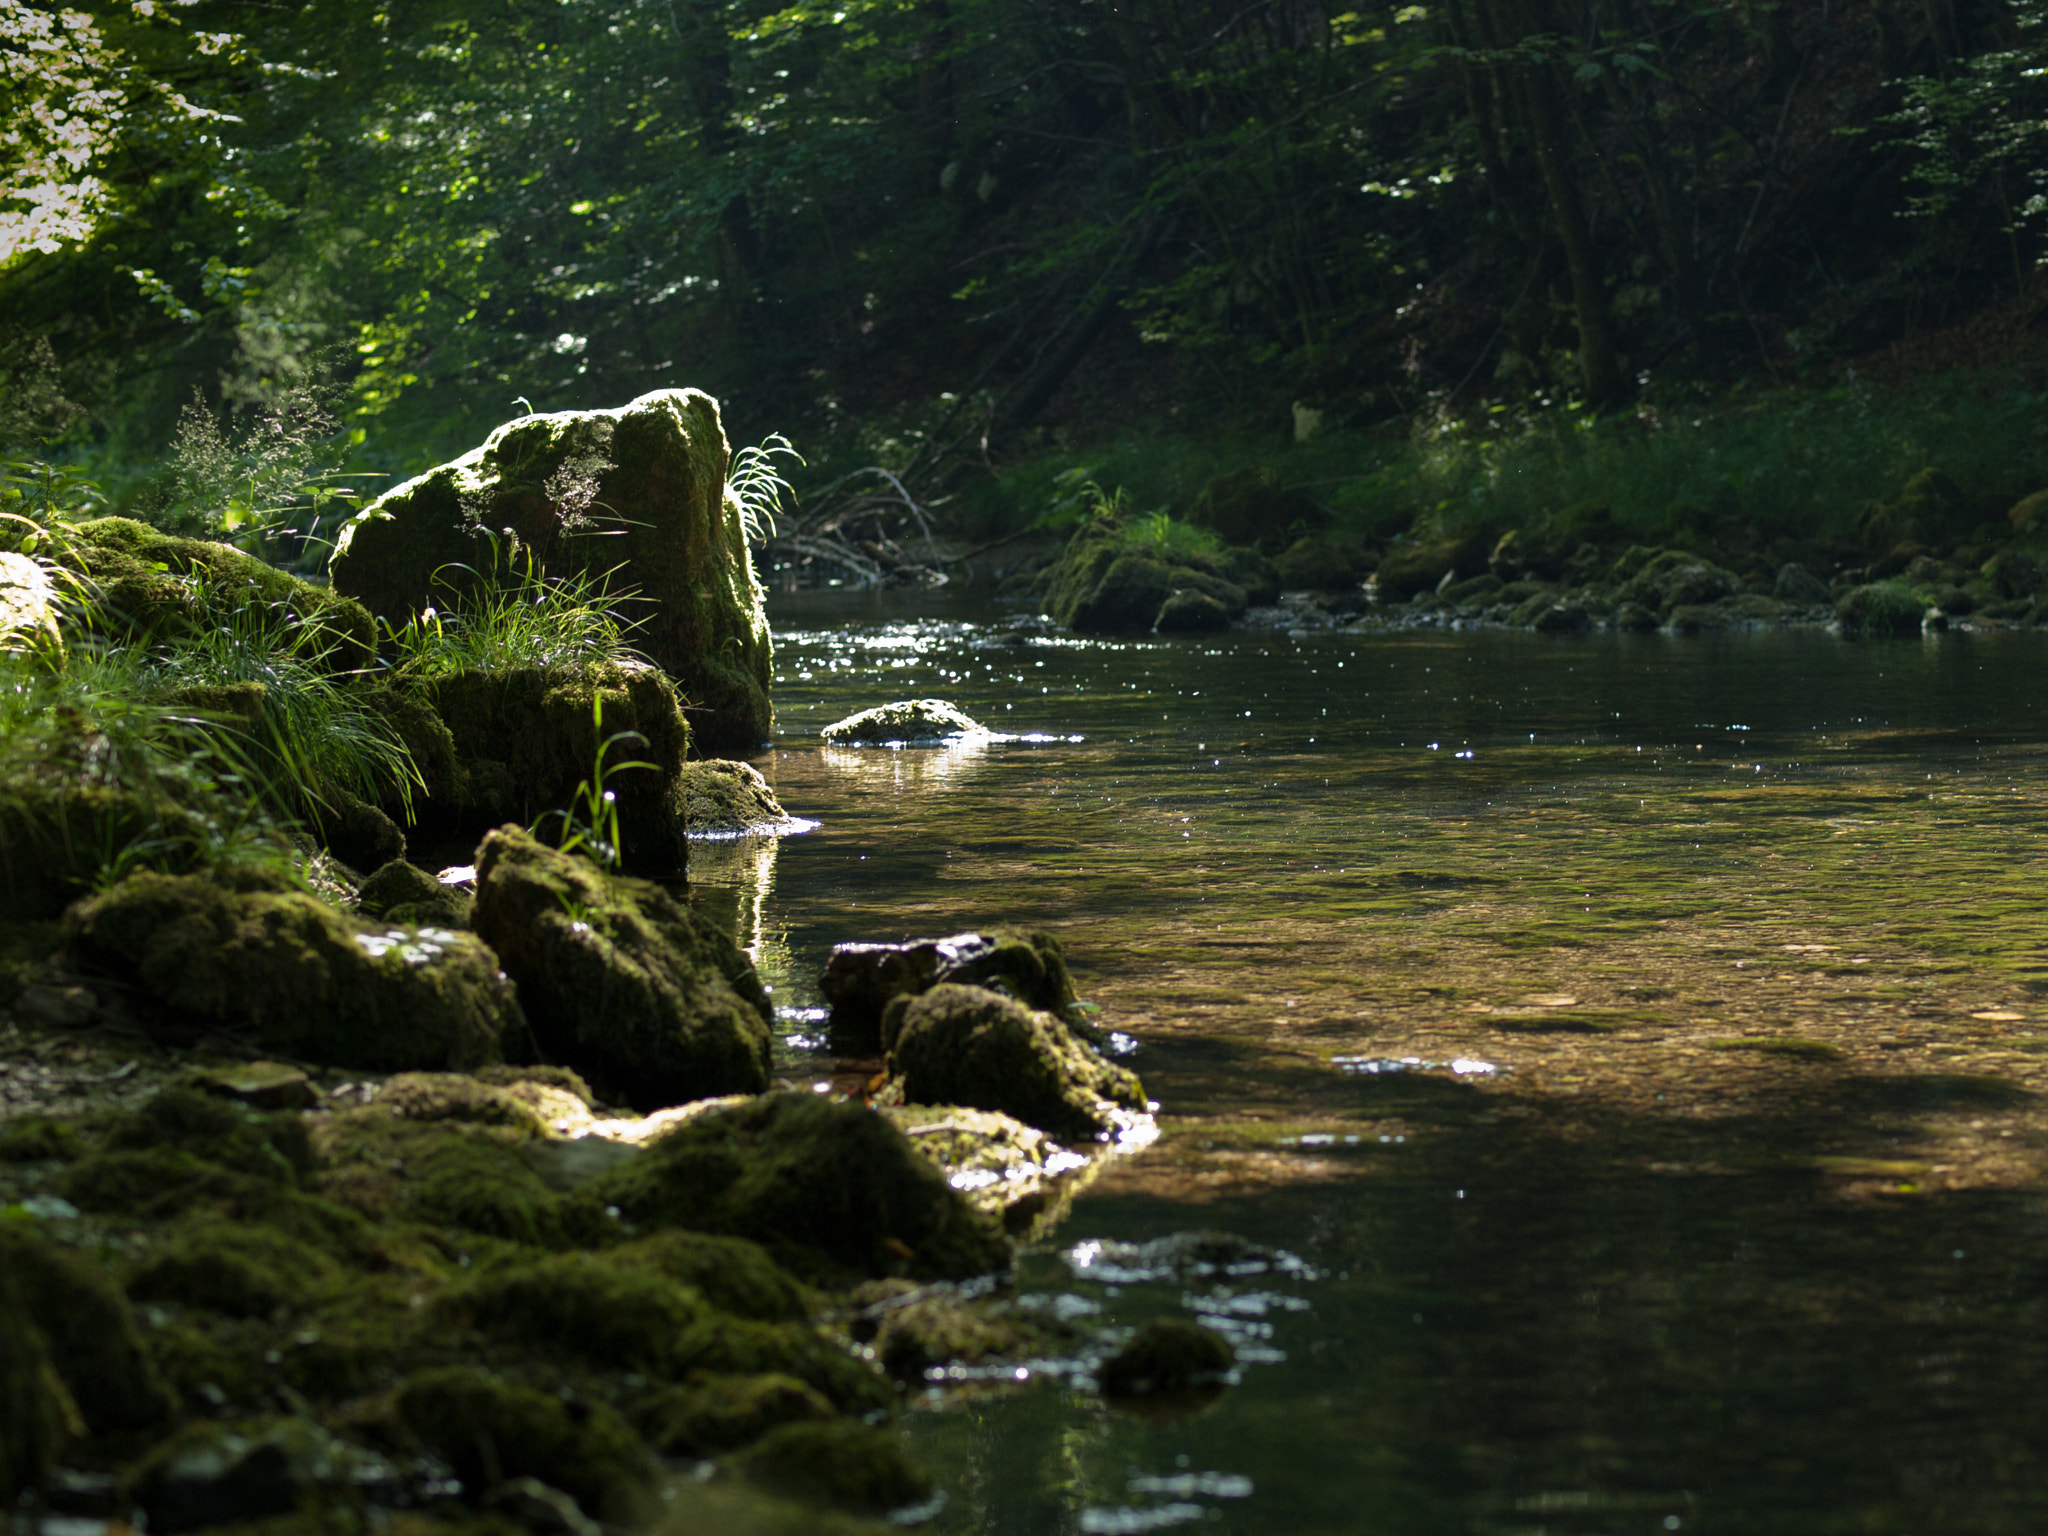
[971, 1046]
[649, 1002]
[718, 796]
[293, 976]
[905, 723]
[1167, 1356]
[860, 980]
[651, 477]
[826, 1187]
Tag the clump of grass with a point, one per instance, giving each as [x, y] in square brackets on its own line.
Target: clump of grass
[590, 824]
[315, 743]
[758, 486]
[516, 618]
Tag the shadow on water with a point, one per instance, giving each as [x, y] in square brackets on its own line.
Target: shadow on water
[1696, 1180]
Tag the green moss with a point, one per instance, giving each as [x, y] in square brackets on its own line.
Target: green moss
[233, 1269]
[156, 585]
[31, 1141]
[488, 1430]
[296, 977]
[934, 1330]
[1881, 608]
[1110, 579]
[211, 1362]
[1167, 1355]
[826, 1187]
[718, 796]
[274, 1146]
[1791, 1047]
[972, 1046]
[36, 1413]
[618, 1316]
[506, 1075]
[453, 1096]
[404, 893]
[468, 1176]
[163, 1183]
[713, 1413]
[90, 1334]
[648, 1001]
[525, 739]
[734, 1275]
[850, 1466]
[736, 1347]
[677, 541]
[860, 980]
[228, 1474]
[1420, 565]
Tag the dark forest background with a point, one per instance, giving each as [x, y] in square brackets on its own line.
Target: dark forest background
[980, 243]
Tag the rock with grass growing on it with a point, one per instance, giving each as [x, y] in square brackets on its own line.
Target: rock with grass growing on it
[289, 975]
[1881, 608]
[860, 980]
[904, 723]
[981, 1049]
[651, 476]
[652, 1004]
[828, 1188]
[1116, 574]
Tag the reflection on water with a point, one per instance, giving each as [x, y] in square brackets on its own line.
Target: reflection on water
[1743, 1230]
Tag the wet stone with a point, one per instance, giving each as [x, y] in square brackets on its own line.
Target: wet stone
[860, 980]
[905, 723]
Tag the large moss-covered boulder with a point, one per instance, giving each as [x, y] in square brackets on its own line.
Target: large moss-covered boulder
[525, 740]
[860, 980]
[293, 977]
[1421, 563]
[972, 1046]
[1108, 582]
[829, 1188]
[653, 1005]
[1664, 581]
[650, 477]
[150, 583]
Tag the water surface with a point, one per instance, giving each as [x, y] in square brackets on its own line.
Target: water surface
[1743, 1234]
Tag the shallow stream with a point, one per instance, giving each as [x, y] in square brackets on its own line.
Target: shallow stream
[1634, 1041]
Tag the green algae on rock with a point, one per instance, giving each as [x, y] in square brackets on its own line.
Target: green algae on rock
[653, 1005]
[860, 980]
[850, 1466]
[979, 1048]
[468, 1176]
[623, 1316]
[651, 476]
[828, 1188]
[904, 723]
[288, 972]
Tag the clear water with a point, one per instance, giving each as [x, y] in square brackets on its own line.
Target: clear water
[1745, 1233]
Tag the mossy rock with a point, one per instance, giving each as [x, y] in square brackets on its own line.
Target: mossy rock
[1102, 584]
[614, 1316]
[1167, 1356]
[1795, 584]
[234, 1269]
[860, 980]
[294, 977]
[449, 1173]
[714, 1413]
[719, 797]
[1671, 579]
[826, 1187]
[904, 723]
[1930, 509]
[1415, 565]
[935, 1330]
[651, 1003]
[527, 739]
[2013, 573]
[1881, 608]
[846, 1465]
[237, 1474]
[37, 1416]
[656, 467]
[1318, 564]
[89, 1332]
[1191, 613]
[734, 1275]
[1245, 506]
[733, 1346]
[56, 833]
[971, 1046]
[488, 1430]
[188, 1118]
[39, 1141]
[155, 585]
[398, 892]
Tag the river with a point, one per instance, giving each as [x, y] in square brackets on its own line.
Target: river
[1633, 1045]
